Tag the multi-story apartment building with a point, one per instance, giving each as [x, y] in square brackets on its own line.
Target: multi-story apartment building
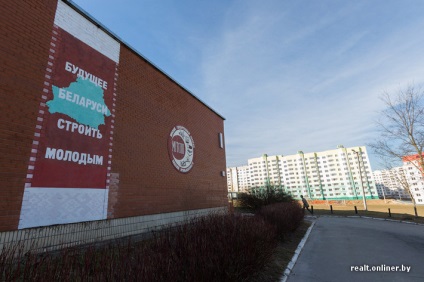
[391, 183]
[238, 179]
[342, 173]
[414, 177]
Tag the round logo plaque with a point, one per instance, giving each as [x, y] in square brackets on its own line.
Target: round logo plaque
[181, 149]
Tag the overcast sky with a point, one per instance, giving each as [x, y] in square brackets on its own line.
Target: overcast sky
[286, 75]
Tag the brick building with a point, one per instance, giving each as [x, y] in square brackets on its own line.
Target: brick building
[90, 130]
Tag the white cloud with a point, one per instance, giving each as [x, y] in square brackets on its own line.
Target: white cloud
[287, 75]
[280, 96]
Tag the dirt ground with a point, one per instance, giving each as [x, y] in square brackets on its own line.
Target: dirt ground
[379, 208]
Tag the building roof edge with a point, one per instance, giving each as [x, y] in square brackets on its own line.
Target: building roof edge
[117, 38]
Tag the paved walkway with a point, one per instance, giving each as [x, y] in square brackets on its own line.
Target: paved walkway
[336, 244]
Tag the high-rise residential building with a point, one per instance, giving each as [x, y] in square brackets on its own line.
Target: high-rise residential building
[238, 178]
[390, 183]
[414, 177]
[342, 173]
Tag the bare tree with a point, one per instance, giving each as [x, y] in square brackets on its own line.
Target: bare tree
[401, 128]
[401, 178]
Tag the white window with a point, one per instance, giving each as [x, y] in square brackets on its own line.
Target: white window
[221, 140]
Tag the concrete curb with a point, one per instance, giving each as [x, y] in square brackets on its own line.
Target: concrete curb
[296, 254]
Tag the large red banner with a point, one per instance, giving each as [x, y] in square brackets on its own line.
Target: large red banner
[74, 142]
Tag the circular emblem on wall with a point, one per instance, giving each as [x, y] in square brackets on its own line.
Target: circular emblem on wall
[181, 149]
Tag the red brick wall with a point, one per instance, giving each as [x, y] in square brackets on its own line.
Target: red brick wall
[25, 32]
[148, 106]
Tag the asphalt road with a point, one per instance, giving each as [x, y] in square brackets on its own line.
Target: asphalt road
[336, 244]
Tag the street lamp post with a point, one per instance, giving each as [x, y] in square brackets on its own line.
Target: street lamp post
[362, 183]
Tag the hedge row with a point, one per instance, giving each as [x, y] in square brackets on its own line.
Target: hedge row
[213, 248]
